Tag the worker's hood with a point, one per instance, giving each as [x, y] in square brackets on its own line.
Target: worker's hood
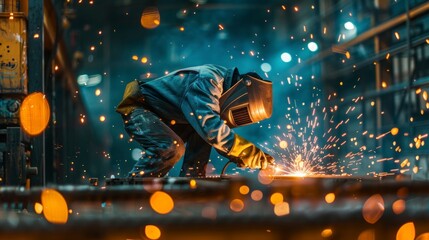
[247, 101]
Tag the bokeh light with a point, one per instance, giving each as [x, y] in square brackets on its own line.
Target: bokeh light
[398, 206]
[38, 208]
[34, 113]
[244, 189]
[266, 67]
[423, 236]
[349, 25]
[406, 232]
[312, 46]
[193, 184]
[330, 197]
[256, 195]
[326, 233]
[236, 205]
[373, 208]
[276, 198]
[281, 209]
[152, 232]
[283, 144]
[150, 17]
[286, 57]
[55, 207]
[266, 176]
[161, 202]
[394, 131]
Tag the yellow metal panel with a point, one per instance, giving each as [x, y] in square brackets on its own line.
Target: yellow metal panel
[13, 58]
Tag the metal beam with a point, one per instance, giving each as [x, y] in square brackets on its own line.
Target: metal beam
[405, 86]
[413, 13]
[36, 67]
[375, 58]
[50, 25]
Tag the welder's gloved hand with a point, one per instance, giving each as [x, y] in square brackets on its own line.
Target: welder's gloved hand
[246, 154]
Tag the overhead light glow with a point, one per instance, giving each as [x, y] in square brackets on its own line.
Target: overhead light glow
[286, 57]
[349, 26]
[89, 81]
[312, 46]
[266, 67]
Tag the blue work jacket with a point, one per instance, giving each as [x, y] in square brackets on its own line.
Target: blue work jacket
[187, 96]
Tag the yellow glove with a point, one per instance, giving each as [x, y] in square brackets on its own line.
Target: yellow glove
[246, 154]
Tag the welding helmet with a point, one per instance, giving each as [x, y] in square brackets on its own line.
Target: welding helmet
[249, 100]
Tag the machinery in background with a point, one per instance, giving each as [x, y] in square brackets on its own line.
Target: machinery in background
[14, 144]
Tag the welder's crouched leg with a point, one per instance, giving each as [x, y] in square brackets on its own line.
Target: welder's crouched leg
[162, 148]
[196, 157]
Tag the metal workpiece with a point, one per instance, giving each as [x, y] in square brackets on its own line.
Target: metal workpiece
[132, 190]
[287, 208]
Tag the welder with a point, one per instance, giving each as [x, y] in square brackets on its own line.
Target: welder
[198, 106]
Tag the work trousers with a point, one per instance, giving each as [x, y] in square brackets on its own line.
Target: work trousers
[163, 145]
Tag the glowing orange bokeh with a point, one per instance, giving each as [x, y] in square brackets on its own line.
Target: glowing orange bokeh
[406, 232]
[244, 189]
[150, 18]
[330, 197]
[152, 232]
[38, 208]
[193, 184]
[326, 233]
[423, 236]
[161, 202]
[276, 198]
[394, 131]
[55, 207]
[34, 113]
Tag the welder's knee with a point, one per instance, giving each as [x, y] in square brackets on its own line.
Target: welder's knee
[174, 151]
